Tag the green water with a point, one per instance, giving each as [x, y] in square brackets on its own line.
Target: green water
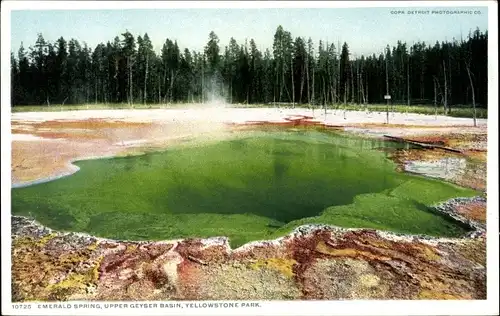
[255, 186]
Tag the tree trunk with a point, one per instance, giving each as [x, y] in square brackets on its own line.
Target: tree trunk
[202, 81]
[345, 92]
[324, 94]
[334, 85]
[146, 80]
[131, 87]
[308, 81]
[333, 91]
[473, 95]
[337, 89]
[408, 81]
[165, 84]
[96, 84]
[362, 88]
[338, 73]
[282, 81]
[301, 84]
[293, 83]
[116, 78]
[450, 73]
[435, 96]
[367, 95]
[129, 82]
[171, 85]
[358, 82]
[352, 84]
[422, 86]
[387, 89]
[312, 96]
[445, 90]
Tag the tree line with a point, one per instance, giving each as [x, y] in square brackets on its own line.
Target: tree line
[294, 71]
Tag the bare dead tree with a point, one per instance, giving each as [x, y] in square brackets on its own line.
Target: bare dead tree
[358, 94]
[408, 79]
[436, 83]
[367, 95]
[387, 89]
[293, 83]
[302, 80]
[159, 89]
[307, 74]
[173, 76]
[324, 93]
[312, 91]
[362, 86]
[345, 92]
[450, 83]
[64, 101]
[333, 77]
[96, 83]
[470, 74]
[130, 80]
[146, 79]
[445, 90]
[202, 79]
[352, 83]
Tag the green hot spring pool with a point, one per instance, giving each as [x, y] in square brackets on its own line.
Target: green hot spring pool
[256, 185]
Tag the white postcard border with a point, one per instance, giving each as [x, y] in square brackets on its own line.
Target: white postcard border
[489, 306]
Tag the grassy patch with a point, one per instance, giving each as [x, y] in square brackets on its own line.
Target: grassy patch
[459, 111]
[456, 111]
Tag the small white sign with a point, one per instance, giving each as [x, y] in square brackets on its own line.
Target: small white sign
[387, 97]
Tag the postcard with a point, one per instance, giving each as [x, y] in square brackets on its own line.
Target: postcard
[254, 158]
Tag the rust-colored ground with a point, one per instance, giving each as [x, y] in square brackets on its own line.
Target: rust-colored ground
[474, 211]
[33, 160]
[471, 147]
[318, 264]
[60, 142]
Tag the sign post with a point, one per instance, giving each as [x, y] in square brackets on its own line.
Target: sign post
[388, 98]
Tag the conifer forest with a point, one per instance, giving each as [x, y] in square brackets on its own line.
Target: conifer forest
[295, 71]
